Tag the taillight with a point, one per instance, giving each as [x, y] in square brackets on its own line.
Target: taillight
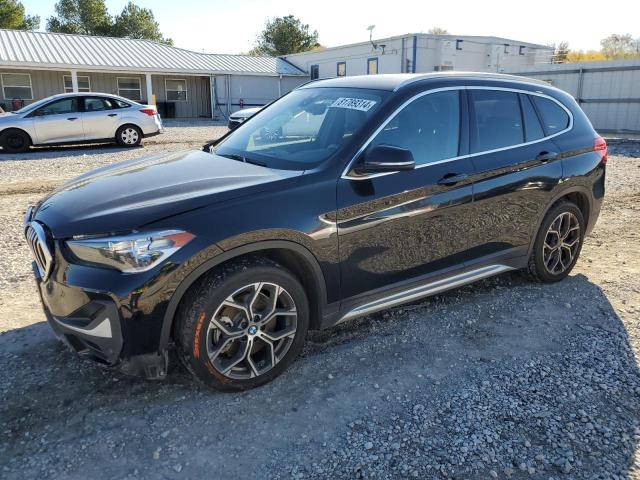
[149, 111]
[600, 146]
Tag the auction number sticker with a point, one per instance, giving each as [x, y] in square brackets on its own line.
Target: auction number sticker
[354, 103]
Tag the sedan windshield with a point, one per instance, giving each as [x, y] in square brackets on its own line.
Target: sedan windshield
[302, 129]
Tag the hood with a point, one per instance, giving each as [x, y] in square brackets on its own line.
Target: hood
[131, 194]
[246, 112]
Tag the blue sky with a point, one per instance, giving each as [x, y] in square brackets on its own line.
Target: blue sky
[230, 26]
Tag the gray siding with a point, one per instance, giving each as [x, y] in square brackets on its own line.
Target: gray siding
[608, 92]
[45, 83]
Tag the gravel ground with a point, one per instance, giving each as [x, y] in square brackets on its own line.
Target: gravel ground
[500, 379]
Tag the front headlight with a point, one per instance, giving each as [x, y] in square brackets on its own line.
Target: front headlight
[136, 252]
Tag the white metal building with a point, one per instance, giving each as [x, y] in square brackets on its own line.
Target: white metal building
[34, 65]
[421, 53]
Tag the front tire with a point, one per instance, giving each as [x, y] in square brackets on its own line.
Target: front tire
[558, 243]
[15, 141]
[242, 324]
[129, 136]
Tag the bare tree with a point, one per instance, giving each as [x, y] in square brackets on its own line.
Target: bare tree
[618, 46]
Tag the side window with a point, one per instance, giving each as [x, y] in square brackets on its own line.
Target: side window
[429, 127]
[496, 120]
[59, 107]
[532, 128]
[554, 118]
[94, 104]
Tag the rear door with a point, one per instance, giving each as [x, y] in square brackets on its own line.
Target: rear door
[101, 117]
[405, 225]
[517, 166]
[58, 121]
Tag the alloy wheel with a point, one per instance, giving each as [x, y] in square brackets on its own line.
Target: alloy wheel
[561, 243]
[252, 330]
[129, 136]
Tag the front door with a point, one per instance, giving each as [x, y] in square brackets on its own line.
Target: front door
[410, 224]
[58, 121]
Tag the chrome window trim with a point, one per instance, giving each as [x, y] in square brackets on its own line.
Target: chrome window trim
[345, 173]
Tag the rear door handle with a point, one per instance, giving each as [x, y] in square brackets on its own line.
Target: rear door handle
[545, 157]
[71, 119]
[452, 178]
[112, 115]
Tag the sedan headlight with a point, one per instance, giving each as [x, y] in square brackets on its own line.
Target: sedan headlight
[136, 252]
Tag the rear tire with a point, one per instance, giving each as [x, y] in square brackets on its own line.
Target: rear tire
[15, 141]
[242, 324]
[129, 136]
[558, 243]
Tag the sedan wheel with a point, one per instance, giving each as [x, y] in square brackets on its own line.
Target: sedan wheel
[129, 136]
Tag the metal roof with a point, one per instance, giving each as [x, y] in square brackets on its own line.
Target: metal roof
[83, 52]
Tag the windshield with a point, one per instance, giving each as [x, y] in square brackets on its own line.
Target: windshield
[302, 129]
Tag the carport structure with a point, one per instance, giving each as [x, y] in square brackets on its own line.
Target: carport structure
[35, 65]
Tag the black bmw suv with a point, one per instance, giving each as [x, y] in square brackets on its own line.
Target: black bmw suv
[345, 197]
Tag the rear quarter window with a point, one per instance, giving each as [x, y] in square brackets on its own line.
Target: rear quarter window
[554, 117]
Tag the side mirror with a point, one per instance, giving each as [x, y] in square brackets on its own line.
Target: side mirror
[386, 158]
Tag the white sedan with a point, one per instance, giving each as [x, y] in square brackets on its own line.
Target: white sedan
[78, 118]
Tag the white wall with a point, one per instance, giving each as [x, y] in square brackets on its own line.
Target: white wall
[476, 54]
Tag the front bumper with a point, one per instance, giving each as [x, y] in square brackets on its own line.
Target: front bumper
[92, 330]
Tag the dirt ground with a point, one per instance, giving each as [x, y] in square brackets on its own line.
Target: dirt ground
[500, 379]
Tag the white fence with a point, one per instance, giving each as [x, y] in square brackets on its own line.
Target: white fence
[608, 92]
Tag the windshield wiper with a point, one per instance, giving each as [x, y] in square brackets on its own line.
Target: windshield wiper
[242, 158]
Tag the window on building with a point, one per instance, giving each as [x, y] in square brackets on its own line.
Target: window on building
[372, 66]
[459, 44]
[17, 85]
[496, 121]
[554, 117]
[341, 69]
[176, 89]
[506, 48]
[532, 128]
[521, 50]
[84, 85]
[315, 72]
[428, 126]
[130, 87]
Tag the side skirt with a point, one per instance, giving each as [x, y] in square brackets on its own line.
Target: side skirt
[424, 290]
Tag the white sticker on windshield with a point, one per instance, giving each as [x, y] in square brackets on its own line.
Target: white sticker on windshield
[354, 103]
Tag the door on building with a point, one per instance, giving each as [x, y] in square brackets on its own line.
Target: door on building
[58, 121]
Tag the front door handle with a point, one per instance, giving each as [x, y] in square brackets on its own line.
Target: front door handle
[453, 178]
[545, 157]
[112, 115]
[71, 119]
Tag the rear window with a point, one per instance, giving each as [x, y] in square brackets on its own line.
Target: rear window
[554, 117]
[497, 120]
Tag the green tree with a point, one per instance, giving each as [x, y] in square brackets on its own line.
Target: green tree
[88, 17]
[137, 22]
[618, 46]
[438, 31]
[285, 35]
[12, 16]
